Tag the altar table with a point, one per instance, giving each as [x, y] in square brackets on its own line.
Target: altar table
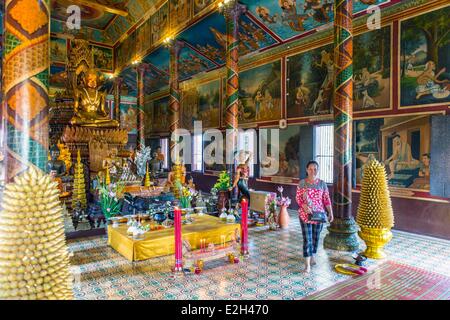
[158, 243]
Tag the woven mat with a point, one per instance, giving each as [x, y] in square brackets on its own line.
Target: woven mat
[389, 281]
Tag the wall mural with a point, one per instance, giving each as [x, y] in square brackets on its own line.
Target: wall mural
[128, 117]
[143, 37]
[202, 103]
[199, 5]
[157, 115]
[103, 58]
[372, 70]
[401, 143]
[424, 59]
[289, 18]
[180, 12]
[58, 50]
[289, 149]
[217, 167]
[58, 75]
[259, 93]
[310, 84]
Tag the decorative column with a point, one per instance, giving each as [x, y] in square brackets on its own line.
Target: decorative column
[342, 232]
[25, 85]
[174, 95]
[232, 11]
[140, 105]
[117, 88]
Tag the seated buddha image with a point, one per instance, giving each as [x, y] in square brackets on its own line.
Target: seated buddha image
[89, 104]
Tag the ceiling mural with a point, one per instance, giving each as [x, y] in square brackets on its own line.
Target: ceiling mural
[290, 18]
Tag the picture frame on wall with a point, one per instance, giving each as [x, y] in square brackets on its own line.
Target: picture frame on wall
[424, 67]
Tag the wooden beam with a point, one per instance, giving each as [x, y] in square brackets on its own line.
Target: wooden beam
[107, 8]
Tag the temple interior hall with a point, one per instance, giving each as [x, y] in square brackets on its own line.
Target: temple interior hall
[225, 150]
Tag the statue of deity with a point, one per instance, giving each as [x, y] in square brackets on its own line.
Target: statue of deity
[54, 164]
[89, 104]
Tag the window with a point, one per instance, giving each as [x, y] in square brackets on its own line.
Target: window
[164, 143]
[323, 151]
[197, 154]
[246, 141]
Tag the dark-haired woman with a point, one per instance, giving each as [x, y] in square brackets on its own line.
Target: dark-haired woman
[312, 196]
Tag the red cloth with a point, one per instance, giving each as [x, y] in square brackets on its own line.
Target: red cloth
[317, 193]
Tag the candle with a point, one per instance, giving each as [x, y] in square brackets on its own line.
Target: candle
[244, 227]
[178, 242]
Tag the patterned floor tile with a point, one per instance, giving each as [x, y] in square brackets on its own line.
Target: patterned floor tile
[272, 271]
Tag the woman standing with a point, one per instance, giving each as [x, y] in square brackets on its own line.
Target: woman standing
[312, 196]
[242, 175]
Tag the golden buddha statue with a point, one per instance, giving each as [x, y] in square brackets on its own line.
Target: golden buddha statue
[89, 105]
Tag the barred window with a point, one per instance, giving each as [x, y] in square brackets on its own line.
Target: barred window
[323, 150]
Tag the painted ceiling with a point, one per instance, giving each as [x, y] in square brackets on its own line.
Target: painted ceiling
[266, 23]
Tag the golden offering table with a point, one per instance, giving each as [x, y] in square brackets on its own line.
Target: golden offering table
[158, 243]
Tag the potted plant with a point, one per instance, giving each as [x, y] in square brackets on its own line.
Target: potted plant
[283, 203]
[270, 208]
[223, 186]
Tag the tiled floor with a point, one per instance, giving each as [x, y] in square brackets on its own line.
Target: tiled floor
[272, 271]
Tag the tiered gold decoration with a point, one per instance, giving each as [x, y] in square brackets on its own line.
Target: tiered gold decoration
[107, 177]
[147, 178]
[177, 176]
[84, 135]
[34, 259]
[375, 215]
[79, 188]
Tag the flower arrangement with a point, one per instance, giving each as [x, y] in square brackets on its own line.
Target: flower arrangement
[186, 197]
[223, 182]
[109, 198]
[283, 201]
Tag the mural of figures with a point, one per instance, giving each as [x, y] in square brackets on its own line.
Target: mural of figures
[259, 93]
[157, 115]
[58, 76]
[372, 70]
[199, 5]
[202, 103]
[401, 143]
[164, 19]
[180, 12]
[128, 118]
[192, 63]
[58, 50]
[155, 27]
[103, 58]
[289, 154]
[424, 59]
[290, 18]
[310, 83]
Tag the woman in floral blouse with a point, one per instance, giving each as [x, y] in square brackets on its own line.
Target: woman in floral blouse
[312, 195]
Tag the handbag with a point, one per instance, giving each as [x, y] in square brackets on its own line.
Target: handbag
[318, 216]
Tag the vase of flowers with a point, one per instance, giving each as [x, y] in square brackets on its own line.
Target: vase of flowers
[222, 186]
[270, 208]
[110, 201]
[283, 215]
[186, 197]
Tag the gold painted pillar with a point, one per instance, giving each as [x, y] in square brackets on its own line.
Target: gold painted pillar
[140, 105]
[174, 95]
[117, 88]
[25, 85]
[342, 231]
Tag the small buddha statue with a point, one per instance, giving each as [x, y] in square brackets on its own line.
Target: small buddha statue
[113, 162]
[59, 166]
[89, 105]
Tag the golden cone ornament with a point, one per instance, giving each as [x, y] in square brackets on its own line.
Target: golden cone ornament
[375, 215]
[147, 178]
[79, 188]
[34, 259]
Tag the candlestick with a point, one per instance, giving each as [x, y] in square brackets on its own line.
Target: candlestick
[244, 227]
[178, 242]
